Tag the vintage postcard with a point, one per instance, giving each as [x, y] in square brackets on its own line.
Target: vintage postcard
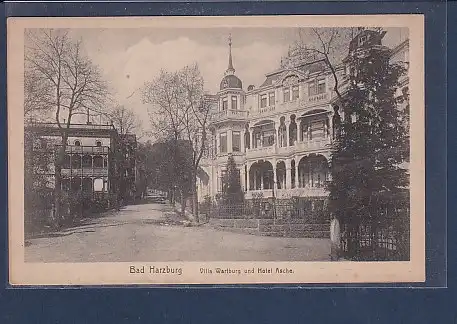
[216, 150]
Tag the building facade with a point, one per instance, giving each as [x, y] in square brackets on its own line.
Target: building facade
[98, 161]
[280, 133]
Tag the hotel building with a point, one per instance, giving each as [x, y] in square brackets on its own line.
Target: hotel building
[280, 133]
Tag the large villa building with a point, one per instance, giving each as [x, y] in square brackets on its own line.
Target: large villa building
[280, 133]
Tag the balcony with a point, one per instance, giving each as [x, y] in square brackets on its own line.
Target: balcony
[85, 172]
[287, 193]
[301, 192]
[312, 145]
[299, 147]
[230, 115]
[86, 149]
[260, 152]
[319, 97]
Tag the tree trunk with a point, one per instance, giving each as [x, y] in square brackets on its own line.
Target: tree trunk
[195, 196]
[58, 181]
[183, 204]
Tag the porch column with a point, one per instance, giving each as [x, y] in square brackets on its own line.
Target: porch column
[275, 180]
[288, 181]
[330, 126]
[253, 139]
[276, 125]
[242, 144]
[229, 141]
[243, 179]
[297, 161]
[310, 175]
[286, 139]
[261, 179]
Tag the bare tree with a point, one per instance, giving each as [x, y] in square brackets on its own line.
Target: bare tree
[179, 110]
[72, 84]
[329, 44]
[197, 113]
[125, 120]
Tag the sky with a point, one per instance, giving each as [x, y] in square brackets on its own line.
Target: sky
[130, 57]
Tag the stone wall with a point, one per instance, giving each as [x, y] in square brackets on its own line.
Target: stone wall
[273, 227]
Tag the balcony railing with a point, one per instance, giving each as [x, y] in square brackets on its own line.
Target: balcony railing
[261, 151]
[96, 172]
[287, 193]
[318, 97]
[230, 114]
[86, 149]
[316, 144]
[299, 147]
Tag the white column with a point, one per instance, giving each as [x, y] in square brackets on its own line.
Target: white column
[288, 182]
[310, 174]
[276, 134]
[296, 172]
[252, 138]
[242, 144]
[275, 185]
[229, 141]
[243, 180]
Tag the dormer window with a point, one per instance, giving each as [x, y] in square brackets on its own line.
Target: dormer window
[286, 94]
[295, 92]
[234, 102]
[271, 98]
[362, 40]
[263, 101]
[316, 87]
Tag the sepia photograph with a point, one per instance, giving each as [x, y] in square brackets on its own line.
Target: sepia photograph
[218, 150]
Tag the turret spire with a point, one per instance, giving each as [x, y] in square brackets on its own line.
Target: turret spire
[230, 69]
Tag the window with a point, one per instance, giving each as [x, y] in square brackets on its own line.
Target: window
[268, 138]
[98, 184]
[316, 87]
[236, 141]
[76, 161]
[295, 92]
[98, 161]
[363, 40]
[77, 143]
[271, 98]
[321, 86]
[258, 139]
[286, 94]
[263, 101]
[234, 103]
[223, 142]
[43, 143]
[312, 89]
[98, 143]
[87, 161]
[224, 104]
[223, 181]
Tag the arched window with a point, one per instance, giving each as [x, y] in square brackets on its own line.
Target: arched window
[98, 143]
[77, 143]
[98, 184]
[98, 161]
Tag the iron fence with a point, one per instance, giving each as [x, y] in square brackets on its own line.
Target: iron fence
[384, 236]
[310, 210]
